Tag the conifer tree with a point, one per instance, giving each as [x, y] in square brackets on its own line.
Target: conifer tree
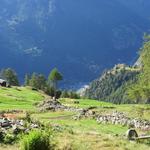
[53, 79]
[27, 80]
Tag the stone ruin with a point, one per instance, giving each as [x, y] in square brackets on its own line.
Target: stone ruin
[131, 134]
[116, 118]
[51, 105]
[15, 126]
[55, 105]
[120, 118]
[85, 113]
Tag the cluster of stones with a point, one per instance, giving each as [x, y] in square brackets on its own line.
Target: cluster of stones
[15, 126]
[73, 109]
[51, 105]
[55, 105]
[85, 113]
[120, 118]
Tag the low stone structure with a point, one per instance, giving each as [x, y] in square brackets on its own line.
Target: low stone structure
[85, 113]
[3, 83]
[120, 118]
[15, 126]
[131, 134]
[51, 105]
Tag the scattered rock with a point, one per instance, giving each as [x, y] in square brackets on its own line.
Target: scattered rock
[15, 126]
[85, 113]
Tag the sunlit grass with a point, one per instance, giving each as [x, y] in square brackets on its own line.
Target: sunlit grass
[85, 103]
[18, 98]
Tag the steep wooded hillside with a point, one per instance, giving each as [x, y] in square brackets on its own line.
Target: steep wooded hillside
[113, 84]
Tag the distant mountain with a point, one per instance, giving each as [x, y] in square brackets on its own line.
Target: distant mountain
[113, 85]
[79, 37]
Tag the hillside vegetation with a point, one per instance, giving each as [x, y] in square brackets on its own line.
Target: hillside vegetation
[113, 84]
[124, 84]
[140, 91]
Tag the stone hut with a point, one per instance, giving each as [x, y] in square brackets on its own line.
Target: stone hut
[3, 83]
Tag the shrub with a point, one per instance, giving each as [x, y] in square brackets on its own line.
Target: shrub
[36, 140]
[70, 94]
[1, 136]
[28, 117]
[49, 90]
[9, 139]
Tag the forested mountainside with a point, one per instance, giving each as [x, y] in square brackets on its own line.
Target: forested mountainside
[124, 84]
[113, 85]
[86, 36]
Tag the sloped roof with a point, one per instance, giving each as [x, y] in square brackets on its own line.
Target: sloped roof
[2, 81]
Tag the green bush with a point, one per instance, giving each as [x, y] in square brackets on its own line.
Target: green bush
[1, 136]
[28, 117]
[36, 140]
[9, 139]
[70, 94]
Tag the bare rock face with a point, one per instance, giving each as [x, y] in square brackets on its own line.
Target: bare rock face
[51, 105]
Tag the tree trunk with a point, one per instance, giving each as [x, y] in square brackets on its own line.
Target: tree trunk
[55, 90]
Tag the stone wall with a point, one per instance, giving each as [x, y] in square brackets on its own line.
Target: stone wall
[120, 118]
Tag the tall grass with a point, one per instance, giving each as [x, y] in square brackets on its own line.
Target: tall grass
[37, 140]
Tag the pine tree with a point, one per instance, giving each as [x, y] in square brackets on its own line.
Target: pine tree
[41, 81]
[33, 81]
[37, 81]
[27, 80]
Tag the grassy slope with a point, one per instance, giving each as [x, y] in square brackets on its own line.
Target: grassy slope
[131, 110]
[19, 98]
[85, 103]
[84, 134]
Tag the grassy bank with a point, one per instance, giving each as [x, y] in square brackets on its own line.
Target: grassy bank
[20, 98]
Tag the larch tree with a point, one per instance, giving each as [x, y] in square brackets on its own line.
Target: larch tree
[53, 79]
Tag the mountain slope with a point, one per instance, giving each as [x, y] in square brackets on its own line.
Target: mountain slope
[86, 36]
[113, 84]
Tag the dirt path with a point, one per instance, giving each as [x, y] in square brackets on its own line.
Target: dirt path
[12, 115]
[61, 117]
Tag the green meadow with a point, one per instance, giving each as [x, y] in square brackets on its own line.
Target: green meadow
[19, 98]
[70, 134]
